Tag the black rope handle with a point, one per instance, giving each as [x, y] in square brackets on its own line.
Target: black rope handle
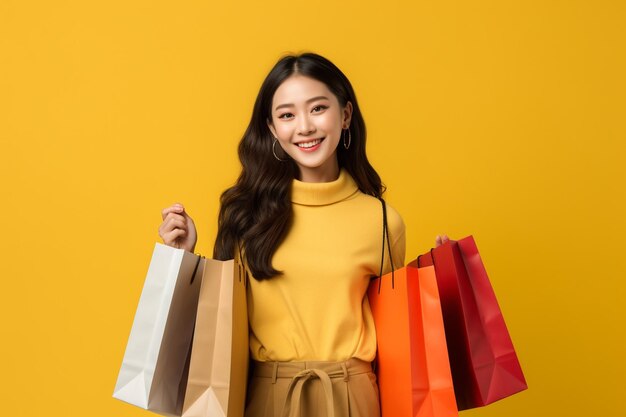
[195, 269]
[432, 256]
[242, 266]
[382, 260]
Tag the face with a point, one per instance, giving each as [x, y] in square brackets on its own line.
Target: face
[308, 119]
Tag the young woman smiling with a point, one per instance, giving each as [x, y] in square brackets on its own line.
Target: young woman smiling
[306, 214]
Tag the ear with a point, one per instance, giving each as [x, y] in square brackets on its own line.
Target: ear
[347, 115]
[271, 127]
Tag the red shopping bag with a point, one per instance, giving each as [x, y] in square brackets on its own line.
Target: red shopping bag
[413, 370]
[484, 365]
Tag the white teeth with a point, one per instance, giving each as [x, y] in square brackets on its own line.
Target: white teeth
[309, 144]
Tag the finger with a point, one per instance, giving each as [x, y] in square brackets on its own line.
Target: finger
[438, 240]
[174, 223]
[168, 219]
[445, 238]
[170, 237]
[171, 224]
[176, 208]
[176, 216]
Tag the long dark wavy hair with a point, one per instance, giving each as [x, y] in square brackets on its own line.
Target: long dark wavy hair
[256, 212]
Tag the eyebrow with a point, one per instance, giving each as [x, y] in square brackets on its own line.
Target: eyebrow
[308, 101]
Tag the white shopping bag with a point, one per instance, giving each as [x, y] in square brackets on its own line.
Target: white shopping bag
[154, 370]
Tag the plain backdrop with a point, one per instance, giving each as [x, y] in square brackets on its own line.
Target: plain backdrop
[500, 119]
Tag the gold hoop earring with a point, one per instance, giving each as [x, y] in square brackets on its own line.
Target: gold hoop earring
[349, 139]
[274, 151]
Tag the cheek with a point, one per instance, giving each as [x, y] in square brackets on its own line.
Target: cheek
[332, 125]
[283, 130]
[285, 133]
[333, 121]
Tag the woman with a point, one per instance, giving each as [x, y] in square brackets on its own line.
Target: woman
[305, 214]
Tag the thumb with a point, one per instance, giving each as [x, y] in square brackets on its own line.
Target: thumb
[187, 216]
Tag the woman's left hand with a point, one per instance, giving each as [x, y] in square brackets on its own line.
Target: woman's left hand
[441, 239]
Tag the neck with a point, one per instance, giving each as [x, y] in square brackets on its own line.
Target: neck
[325, 173]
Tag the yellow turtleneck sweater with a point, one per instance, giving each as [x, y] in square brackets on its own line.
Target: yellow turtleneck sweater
[318, 309]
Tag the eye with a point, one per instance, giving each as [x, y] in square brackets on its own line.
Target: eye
[320, 107]
[282, 116]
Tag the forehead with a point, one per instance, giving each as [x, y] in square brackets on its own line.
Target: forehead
[298, 88]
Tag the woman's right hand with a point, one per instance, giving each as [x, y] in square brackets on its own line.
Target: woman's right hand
[178, 229]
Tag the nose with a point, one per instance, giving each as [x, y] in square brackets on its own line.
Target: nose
[305, 126]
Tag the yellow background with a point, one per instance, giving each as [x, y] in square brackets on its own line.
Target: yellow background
[501, 119]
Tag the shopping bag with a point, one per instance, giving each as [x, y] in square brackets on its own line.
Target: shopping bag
[412, 365]
[412, 368]
[485, 367]
[218, 369]
[153, 371]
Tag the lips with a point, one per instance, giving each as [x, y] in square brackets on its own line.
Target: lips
[309, 144]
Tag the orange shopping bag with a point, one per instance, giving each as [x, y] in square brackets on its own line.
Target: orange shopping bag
[413, 368]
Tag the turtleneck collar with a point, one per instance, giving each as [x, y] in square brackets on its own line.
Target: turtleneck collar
[323, 193]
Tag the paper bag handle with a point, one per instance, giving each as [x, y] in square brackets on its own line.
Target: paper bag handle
[382, 260]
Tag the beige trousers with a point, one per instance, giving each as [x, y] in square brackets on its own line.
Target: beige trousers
[312, 389]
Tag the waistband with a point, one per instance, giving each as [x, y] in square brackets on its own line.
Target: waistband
[301, 372]
[352, 366]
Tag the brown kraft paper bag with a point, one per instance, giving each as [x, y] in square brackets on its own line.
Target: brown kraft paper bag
[218, 368]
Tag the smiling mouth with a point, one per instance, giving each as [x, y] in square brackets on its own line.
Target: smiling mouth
[310, 144]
